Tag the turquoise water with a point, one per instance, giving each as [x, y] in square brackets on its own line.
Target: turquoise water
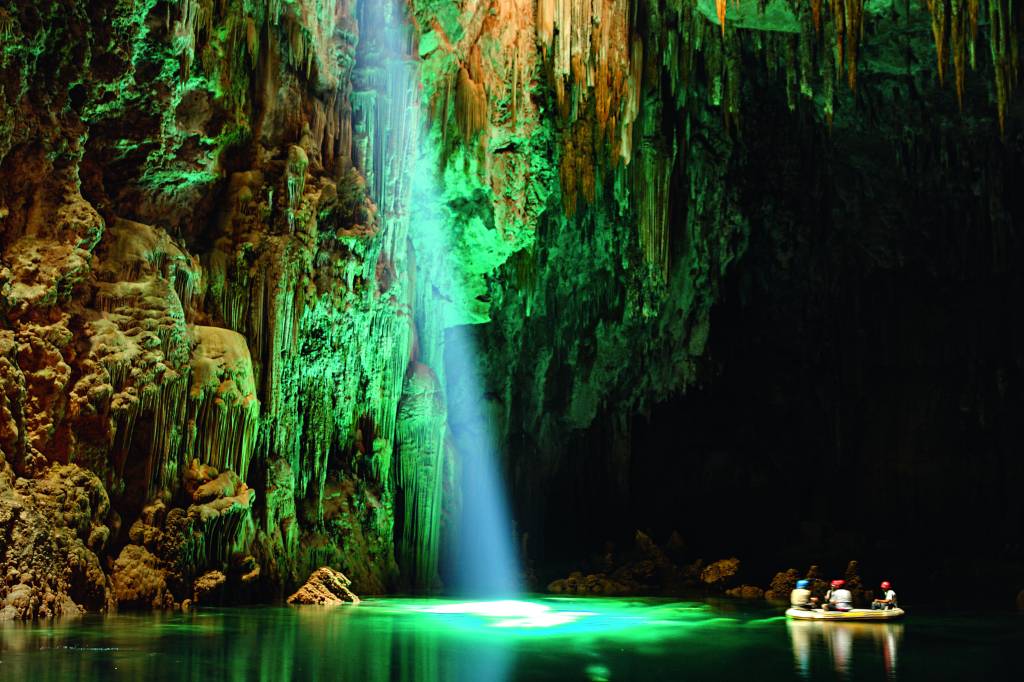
[540, 639]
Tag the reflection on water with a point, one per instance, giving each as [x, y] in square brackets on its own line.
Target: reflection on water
[840, 643]
[391, 639]
[561, 639]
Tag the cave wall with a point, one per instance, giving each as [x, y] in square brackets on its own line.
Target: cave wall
[206, 311]
[688, 399]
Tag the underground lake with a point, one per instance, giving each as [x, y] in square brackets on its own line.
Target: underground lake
[544, 638]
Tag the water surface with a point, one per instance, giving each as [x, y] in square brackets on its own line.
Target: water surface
[541, 639]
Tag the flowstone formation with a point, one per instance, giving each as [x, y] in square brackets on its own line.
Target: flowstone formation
[234, 235]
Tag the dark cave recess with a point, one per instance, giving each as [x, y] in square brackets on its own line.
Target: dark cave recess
[866, 384]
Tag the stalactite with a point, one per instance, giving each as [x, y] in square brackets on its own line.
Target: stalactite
[223, 412]
[295, 182]
[210, 533]
[955, 29]
[938, 14]
[195, 22]
[847, 21]
[471, 107]
[169, 417]
[1004, 45]
[816, 14]
[8, 25]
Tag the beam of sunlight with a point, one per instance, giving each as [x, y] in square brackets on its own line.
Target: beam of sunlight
[486, 559]
[479, 529]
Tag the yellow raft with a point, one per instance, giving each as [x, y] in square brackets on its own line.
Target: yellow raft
[855, 614]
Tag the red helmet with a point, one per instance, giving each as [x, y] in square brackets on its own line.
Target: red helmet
[838, 583]
[886, 584]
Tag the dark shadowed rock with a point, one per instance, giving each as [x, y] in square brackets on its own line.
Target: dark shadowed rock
[719, 573]
[782, 584]
[746, 592]
[595, 584]
[208, 587]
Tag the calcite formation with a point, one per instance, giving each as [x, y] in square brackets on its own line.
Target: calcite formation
[54, 532]
[235, 233]
[325, 587]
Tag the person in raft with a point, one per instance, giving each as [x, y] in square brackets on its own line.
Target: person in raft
[888, 600]
[800, 598]
[838, 598]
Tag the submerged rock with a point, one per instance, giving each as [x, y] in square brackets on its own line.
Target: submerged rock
[325, 587]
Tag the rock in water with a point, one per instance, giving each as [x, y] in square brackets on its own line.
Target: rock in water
[782, 584]
[746, 592]
[208, 587]
[139, 581]
[325, 587]
[718, 573]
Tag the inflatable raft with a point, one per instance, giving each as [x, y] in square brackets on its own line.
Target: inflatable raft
[859, 615]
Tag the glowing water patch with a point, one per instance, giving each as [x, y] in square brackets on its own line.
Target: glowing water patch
[636, 621]
[513, 614]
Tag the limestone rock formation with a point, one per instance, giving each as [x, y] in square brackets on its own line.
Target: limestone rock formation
[325, 587]
[207, 588]
[782, 584]
[54, 530]
[138, 580]
[720, 572]
[196, 275]
[597, 584]
[212, 531]
[746, 592]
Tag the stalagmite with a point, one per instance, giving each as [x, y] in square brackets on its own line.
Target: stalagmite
[421, 432]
